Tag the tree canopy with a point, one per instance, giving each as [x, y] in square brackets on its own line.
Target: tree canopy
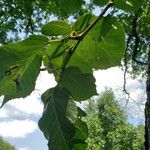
[4, 145]
[108, 125]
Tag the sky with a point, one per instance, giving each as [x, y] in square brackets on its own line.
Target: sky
[19, 117]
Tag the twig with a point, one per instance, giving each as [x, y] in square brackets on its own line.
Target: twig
[68, 57]
[110, 4]
[126, 68]
[45, 69]
[80, 37]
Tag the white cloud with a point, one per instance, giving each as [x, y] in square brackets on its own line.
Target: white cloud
[45, 81]
[112, 78]
[17, 128]
[24, 148]
[3, 113]
[30, 105]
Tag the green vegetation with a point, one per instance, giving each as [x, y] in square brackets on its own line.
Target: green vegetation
[108, 126]
[5, 145]
[71, 51]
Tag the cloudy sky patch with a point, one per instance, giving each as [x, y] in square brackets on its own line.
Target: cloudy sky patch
[17, 128]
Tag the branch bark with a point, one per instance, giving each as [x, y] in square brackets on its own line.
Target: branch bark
[137, 42]
[147, 108]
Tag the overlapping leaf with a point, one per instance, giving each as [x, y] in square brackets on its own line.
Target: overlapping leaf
[19, 66]
[20, 81]
[57, 121]
[30, 46]
[54, 123]
[81, 85]
[102, 47]
[56, 53]
[55, 28]
[80, 135]
[68, 6]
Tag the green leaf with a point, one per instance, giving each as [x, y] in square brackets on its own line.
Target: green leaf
[69, 6]
[72, 111]
[127, 5]
[8, 86]
[99, 49]
[83, 22]
[82, 132]
[60, 122]
[2, 71]
[20, 80]
[81, 85]
[56, 53]
[16, 54]
[56, 126]
[7, 56]
[55, 28]
[20, 66]
[80, 135]
[30, 46]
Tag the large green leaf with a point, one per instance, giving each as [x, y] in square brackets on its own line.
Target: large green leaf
[55, 28]
[127, 5]
[20, 80]
[14, 54]
[57, 128]
[99, 49]
[81, 85]
[30, 46]
[20, 66]
[61, 121]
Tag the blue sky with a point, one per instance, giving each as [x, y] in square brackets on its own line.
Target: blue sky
[19, 117]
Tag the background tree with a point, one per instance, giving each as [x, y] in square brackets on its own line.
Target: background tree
[137, 54]
[21, 18]
[4, 145]
[108, 125]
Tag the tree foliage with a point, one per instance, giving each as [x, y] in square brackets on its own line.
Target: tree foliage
[108, 126]
[69, 50]
[5, 145]
[138, 40]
